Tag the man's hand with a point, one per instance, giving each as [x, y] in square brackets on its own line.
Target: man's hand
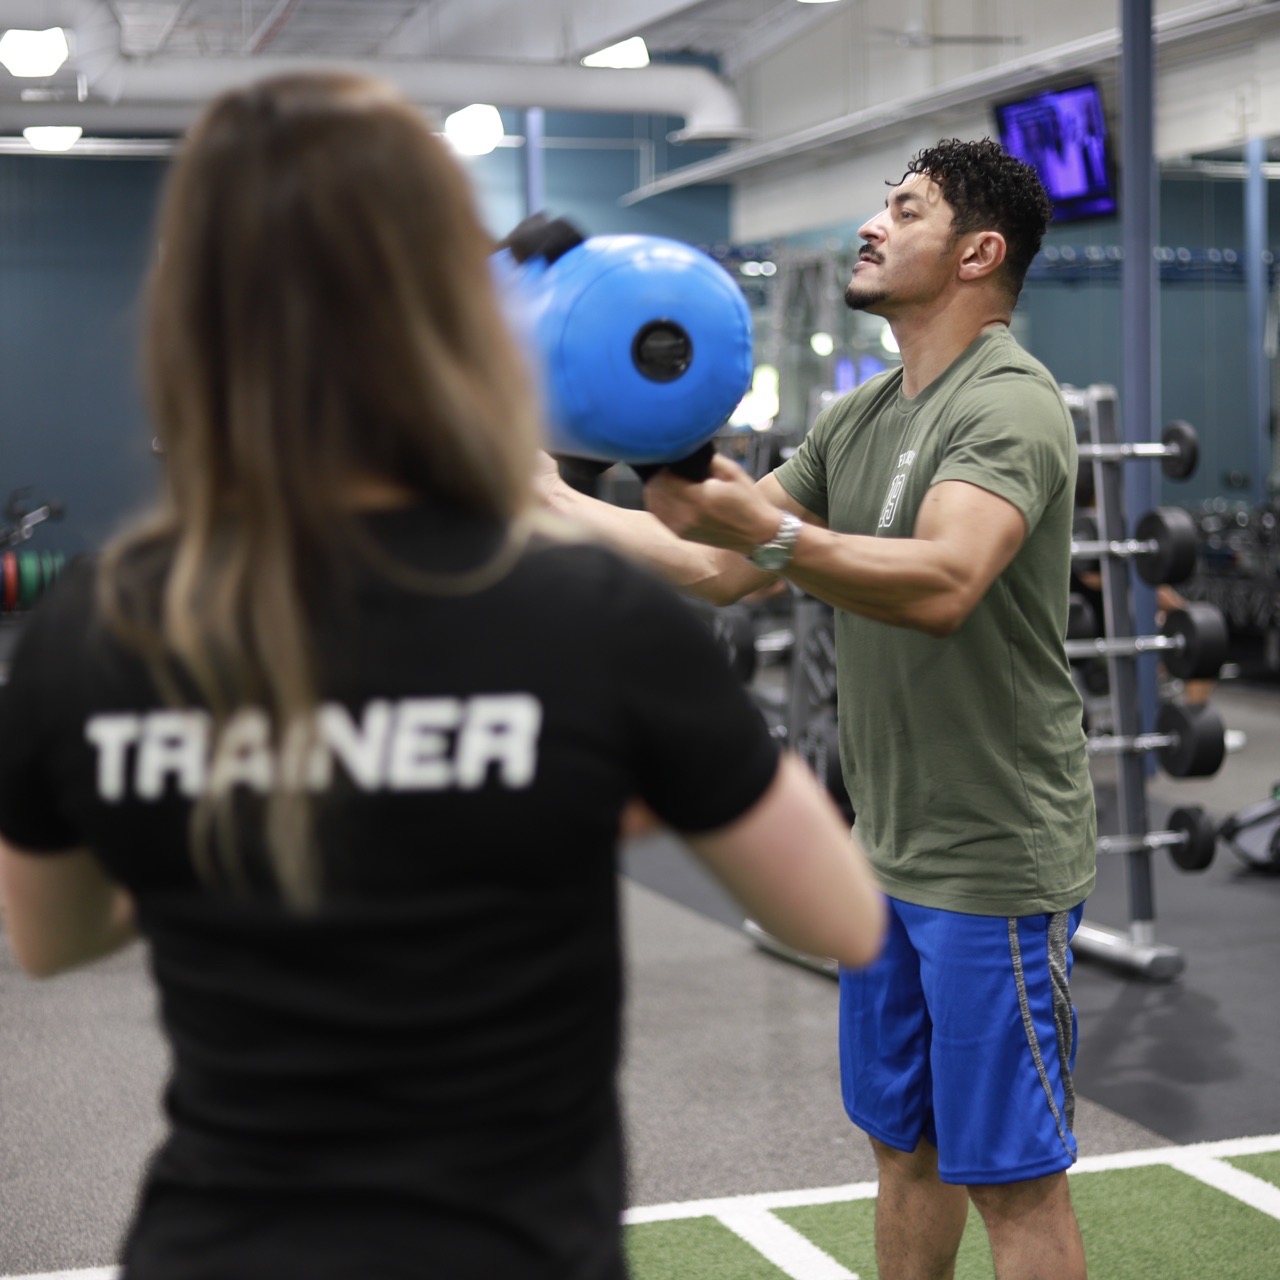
[725, 510]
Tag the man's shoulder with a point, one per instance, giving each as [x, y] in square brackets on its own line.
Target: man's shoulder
[1003, 354]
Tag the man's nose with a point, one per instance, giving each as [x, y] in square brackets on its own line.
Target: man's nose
[870, 230]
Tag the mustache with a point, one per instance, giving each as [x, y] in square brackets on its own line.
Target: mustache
[867, 254]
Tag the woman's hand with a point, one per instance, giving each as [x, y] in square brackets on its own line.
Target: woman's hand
[546, 478]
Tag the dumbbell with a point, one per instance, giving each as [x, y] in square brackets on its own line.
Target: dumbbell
[1192, 839]
[1193, 639]
[642, 344]
[1178, 451]
[1164, 548]
[1189, 742]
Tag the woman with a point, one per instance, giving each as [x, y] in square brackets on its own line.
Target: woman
[350, 736]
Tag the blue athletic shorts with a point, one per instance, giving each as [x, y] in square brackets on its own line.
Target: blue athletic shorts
[963, 1033]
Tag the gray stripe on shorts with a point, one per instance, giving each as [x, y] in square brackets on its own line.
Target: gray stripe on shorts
[1058, 975]
[1062, 1009]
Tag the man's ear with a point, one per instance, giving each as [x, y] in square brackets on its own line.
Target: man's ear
[983, 254]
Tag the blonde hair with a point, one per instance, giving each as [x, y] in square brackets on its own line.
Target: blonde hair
[320, 313]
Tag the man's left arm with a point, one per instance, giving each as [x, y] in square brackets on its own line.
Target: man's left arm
[963, 539]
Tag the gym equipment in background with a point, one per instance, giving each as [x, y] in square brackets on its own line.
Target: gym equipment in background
[1187, 741]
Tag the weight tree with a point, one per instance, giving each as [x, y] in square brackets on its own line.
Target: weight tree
[1188, 744]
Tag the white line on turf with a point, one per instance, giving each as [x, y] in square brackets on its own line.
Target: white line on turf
[786, 1248]
[1235, 1182]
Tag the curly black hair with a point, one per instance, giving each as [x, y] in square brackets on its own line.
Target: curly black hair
[987, 188]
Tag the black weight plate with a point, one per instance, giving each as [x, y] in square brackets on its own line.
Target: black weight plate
[1180, 438]
[1196, 853]
[1201, 741]
[1177, 540]
[1205, 641]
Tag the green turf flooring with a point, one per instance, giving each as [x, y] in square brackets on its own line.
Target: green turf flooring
[1265, 1166]
[694, 1249]
[1151, 1223]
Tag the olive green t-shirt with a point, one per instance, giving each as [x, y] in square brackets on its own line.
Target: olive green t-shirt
[964, 756]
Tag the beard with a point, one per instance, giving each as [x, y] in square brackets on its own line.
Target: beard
[863, 299]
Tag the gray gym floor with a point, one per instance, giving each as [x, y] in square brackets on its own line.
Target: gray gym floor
[729, 1082]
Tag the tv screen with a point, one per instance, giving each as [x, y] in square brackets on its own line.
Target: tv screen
[1062, 134]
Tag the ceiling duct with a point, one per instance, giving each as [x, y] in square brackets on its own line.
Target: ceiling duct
[165, 92]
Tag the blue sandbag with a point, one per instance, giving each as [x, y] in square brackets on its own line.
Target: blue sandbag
[642, 345]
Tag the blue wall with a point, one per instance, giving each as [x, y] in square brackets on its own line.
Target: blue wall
[74, 239]
[1074, 324]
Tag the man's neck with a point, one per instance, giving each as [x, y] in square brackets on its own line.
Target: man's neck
[929, 346]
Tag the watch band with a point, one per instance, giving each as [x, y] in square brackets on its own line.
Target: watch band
[774, 556]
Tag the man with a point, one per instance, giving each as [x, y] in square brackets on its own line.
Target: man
[932, 507]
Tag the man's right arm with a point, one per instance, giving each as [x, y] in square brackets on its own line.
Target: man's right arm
[710, 573]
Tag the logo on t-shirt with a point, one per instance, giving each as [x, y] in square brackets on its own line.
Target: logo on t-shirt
[895, 488]
[414, 744]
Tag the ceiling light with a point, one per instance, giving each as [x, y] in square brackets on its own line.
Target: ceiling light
[624, 55]
[816, 1]
[475, 130]
[888, 341]
[823, 344]
[33, 53]
[52, 137]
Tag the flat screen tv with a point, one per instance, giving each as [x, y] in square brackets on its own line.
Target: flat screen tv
[1062, 134]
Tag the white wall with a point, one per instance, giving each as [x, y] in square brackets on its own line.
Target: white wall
[1209, 94]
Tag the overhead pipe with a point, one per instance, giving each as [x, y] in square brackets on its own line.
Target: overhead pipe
[710, 108]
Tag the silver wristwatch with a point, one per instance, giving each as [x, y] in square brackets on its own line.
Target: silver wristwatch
[774, 556]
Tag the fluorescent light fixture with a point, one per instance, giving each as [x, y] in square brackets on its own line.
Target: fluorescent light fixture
[624, 55]
[823, 344]
[475, 130]
[816, 1]
[33, 54]
[52, 137]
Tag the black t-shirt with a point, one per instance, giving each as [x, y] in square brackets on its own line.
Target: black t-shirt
[428, 1060]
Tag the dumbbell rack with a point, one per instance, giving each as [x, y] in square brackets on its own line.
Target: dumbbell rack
[1096, 408]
